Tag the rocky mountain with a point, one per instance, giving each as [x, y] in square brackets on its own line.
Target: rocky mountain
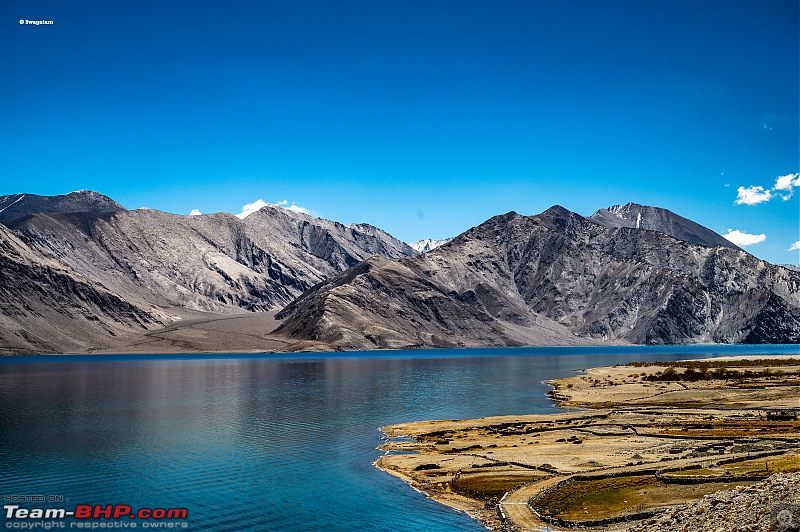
[427, 244]
[330, 247]
[638, 216]
[47, 307]
[79, 271]
[554, 278]
[173, 266]
[213, 262]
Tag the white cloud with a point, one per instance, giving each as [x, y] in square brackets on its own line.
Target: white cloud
[784, 187]
[195, 212]
[752, 195]
[250, 208]
[258, 204]
[297, 208]
[787, 183]
[743, 239]
[795, 246]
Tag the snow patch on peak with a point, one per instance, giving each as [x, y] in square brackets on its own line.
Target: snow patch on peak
[6, 207]
[621, 211]
[615, 209]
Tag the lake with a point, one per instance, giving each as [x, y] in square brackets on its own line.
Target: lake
[264, 442]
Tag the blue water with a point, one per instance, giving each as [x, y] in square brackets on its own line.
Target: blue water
[265, 442]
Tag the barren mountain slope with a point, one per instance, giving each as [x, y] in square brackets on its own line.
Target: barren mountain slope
[214, 262]
[555, 278]
[662, 220]
[46, 307]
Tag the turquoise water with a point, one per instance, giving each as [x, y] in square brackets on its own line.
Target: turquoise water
[265, 442]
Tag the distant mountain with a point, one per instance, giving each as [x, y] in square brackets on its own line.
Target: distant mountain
[332, 246]
[638, 216]
[427, 244]
[213, 262]
[170, 266]
[20, 205]
[554, 278]
[80, 273]
[794, 267]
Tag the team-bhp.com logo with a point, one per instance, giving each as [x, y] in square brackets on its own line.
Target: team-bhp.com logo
[89, 516]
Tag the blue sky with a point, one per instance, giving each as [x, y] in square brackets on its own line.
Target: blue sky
[422, 118]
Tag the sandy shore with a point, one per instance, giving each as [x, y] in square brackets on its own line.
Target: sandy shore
[646, 438]
[248, 332]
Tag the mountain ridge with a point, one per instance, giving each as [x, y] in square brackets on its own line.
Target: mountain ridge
[19, 205]
[556, 278]
[550, 274]
[174, 266]
[47, 307]
[211, 262]
[634, 215]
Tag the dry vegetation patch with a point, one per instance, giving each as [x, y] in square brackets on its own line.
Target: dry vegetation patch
[617, 496]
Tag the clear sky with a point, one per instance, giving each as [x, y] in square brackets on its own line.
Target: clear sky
[423, 118]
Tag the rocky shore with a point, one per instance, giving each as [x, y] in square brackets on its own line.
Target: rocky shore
[671, 445]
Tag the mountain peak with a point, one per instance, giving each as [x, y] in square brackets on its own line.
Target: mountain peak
[557, 210]
[559, 216]
[427, 244]
[636, 216]
[20, 205]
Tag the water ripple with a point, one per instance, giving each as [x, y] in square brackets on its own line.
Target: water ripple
[259, 443]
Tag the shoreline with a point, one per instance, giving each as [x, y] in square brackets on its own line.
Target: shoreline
[682, 439]
[279, 345]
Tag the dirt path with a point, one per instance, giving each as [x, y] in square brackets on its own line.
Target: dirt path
[515, 505]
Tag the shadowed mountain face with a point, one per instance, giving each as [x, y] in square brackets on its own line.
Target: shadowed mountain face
[19, 205]
[656, 219]
[47, 307]
[555, 278]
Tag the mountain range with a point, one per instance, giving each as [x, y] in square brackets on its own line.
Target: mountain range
[81, 273]
[554, 278]
[173, 267]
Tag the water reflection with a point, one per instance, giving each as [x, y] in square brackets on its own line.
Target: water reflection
[261, 443]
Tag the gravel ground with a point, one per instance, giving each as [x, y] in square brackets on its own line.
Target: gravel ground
[771, 505]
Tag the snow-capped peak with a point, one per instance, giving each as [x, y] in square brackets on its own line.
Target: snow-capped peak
[427, 244]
